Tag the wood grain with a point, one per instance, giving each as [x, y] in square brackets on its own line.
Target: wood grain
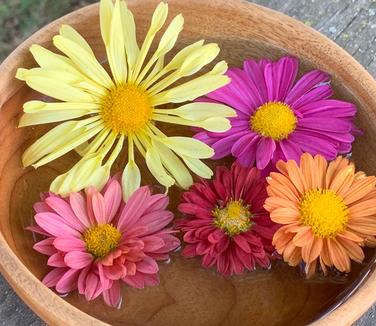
[188, 294]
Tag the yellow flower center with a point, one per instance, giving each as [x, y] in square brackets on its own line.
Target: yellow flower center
[275, 120]
[234, 218]
[324, 211]
[126, 109]
[100, 240]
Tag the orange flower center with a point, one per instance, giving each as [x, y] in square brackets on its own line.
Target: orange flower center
[126, 109]
[100, 240]
[234, 218]
[275, 120]
[324, 211]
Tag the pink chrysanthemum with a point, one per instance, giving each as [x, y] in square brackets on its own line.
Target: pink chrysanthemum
[226, 223]
[95, 241]
[279, 118]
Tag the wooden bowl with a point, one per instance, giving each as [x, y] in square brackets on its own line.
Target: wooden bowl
[188, 294]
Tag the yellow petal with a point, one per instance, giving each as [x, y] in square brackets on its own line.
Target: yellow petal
[55, 88]
[48, 59]
[191, 90]
[131, 179]
[166, 43]
[57, 152]
[153, 161]
[198, 111]
[159, 18]
[95, 144]
[116, 49]
[173, 165]
[189, 147]
[129, 32]
[198, 167]
[105, 14]
[86, 63]
[70, 33]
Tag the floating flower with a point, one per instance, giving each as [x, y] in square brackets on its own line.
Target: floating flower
[278, 118]
[122, 109]
[94, 242]
[327, 211]
[226, 223]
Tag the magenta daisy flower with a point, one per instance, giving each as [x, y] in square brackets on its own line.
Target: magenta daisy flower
[226, 223]
[279, 117]
[94, 241]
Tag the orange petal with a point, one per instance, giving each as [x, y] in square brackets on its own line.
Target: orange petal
[363, 225]
[296, 176]
[354, 251]
[281, 238]
[319, 172]
[281, 167]
[303, 236]
[324, 256]
[275, 202]
[338, 255]
[346, 234]
[323, 266]
[292, 254]
[334, 167]
[307, 166]
[363, 208]
[315, 250]
[284, 215]
[343, 180]
[310, 269]
[359, 189]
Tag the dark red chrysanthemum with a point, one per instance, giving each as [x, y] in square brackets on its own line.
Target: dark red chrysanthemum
[226, 223]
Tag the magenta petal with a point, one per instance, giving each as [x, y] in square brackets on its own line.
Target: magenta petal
[78, 259]
[223, 146]
[51, 279]
[67, 244]
[264, 152]
[255, 72]
[290, 150]
[325, 124]
[112, 199]
[317, 94]
[329, 108]
[68, 282]
[242, 144]
[305, 84]
[112, 296]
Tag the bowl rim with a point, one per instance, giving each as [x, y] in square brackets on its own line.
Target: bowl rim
[356, 79]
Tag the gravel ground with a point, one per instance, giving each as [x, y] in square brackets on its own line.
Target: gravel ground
[350, 23]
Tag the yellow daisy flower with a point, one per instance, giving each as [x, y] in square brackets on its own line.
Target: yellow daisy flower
[122, 109]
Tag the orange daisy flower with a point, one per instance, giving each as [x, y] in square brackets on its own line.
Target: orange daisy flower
[327, 212]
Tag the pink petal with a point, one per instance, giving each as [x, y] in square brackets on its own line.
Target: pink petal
[134, 208]
[114, 272]
[105, 281]
[67, 244]
[112, 296]
[147, 266]
[81, 283]
[137, 281]
[56, 260]
[38, 229]
[62, 208]
[68, 282]
[157, 202]
[78, 204]
[41, 207]
[93, 287]
[99, 207]
[55, 225]
[78, 259]
[45, 247]
[112, 199]
[152, 243]
[53, 277]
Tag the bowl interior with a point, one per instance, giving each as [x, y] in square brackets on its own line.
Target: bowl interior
[188, 294]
